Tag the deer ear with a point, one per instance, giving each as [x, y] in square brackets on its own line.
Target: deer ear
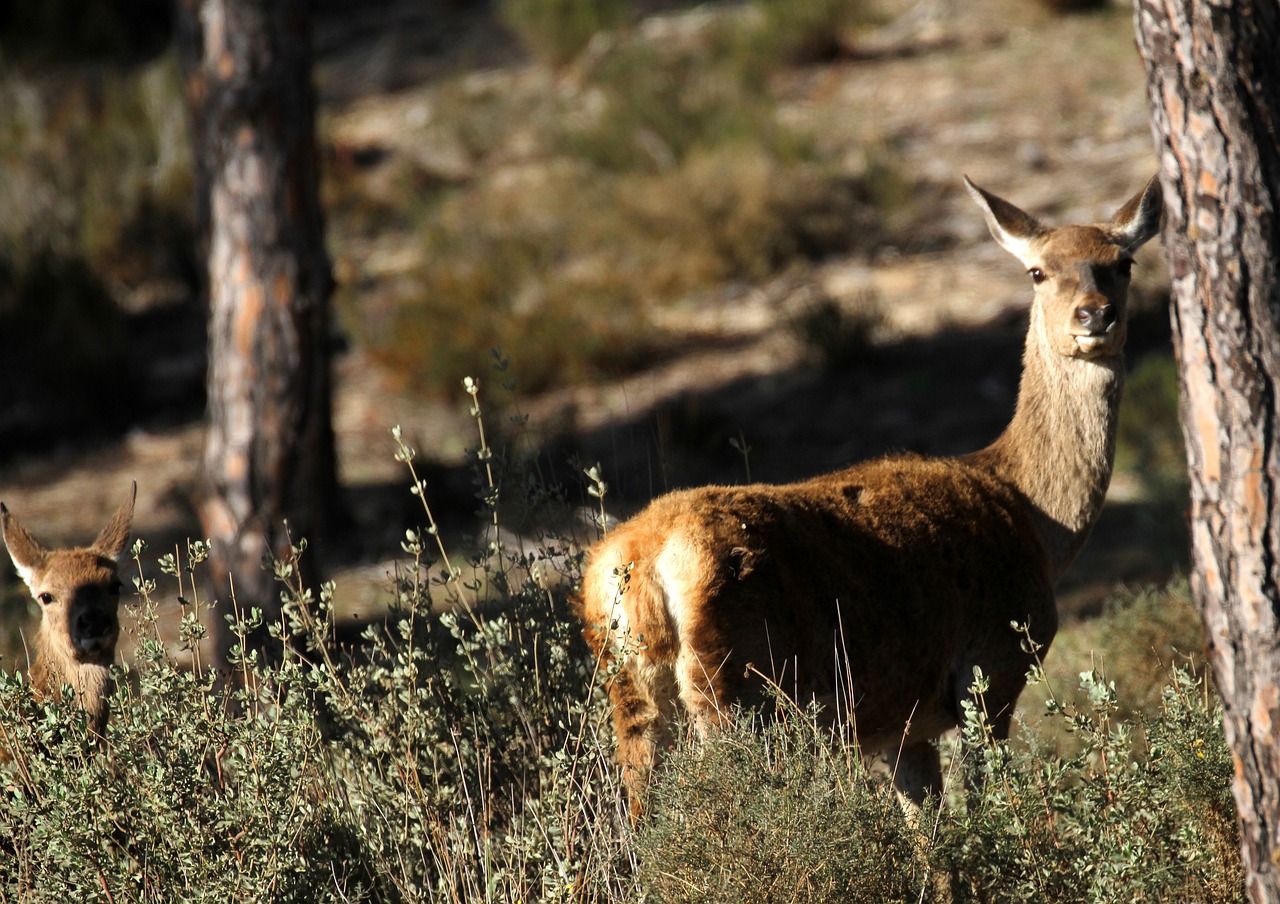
[27, 553]
[1012, 227]
[1139, 219]
[115, 536]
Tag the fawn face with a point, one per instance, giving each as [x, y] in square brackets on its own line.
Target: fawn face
[78, 590]
[79, 596]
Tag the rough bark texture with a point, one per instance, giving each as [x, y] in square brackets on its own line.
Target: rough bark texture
[1214, 80]
[269, 455]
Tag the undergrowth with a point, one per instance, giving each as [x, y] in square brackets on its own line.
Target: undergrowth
[461, 751]
[659, 170]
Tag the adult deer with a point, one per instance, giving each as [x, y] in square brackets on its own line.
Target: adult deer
[877, 590]
[79, 595]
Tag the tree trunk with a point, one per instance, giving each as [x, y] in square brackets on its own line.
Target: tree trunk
[269, 454]
[1214, 81]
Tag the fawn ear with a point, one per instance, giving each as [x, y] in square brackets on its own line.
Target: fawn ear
[1012, 227]
[1139, 219]
[27, 553]
[115, 536]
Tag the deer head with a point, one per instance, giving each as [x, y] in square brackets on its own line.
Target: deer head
[1081, 273]
[78, 591]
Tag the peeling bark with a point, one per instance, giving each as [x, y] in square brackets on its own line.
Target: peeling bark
[1213, 72]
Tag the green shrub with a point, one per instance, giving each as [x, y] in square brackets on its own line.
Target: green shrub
[662, 174]
[97, 167]
[1138, 637]
[834, 335]
[569, 266]
[1149, 438]
[451, 756]
[656, 107]
[775, 812]
[462, 752]
[1145, 632]
[558, 30]
[796, 31]
[1115, 823]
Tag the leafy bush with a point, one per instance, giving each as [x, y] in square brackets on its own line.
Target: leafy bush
[569, 265]
[97, 167]
[781, 811]
[658, 173]
[558, 30]
[461, 752]
[1141, 634]
[796, 31]
[451, 756]
[1149, 439]
[1118, 822]
[775, 812]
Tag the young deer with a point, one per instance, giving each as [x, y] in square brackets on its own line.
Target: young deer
[878, 589]
[79, 595]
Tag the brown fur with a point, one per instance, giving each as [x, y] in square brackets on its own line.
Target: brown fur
[878, 589]
[78, 591]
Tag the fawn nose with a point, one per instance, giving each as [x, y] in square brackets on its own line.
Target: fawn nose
[92, 628]
[1096, 317]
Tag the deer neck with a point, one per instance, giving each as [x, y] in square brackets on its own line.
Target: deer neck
[1058, 450]
[91, 681]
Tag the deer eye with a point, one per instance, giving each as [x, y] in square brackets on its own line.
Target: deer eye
[1037, 275]
[45, 598]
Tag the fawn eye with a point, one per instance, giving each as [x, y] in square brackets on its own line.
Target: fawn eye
[1037, 275]
[45, 598]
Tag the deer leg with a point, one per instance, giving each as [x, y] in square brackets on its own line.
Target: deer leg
[643, 697]
[703, 691]
[917, 773]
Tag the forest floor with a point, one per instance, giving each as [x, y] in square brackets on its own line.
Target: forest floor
[1046, 110]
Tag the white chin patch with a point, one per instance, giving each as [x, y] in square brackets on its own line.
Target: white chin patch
[1090, 344]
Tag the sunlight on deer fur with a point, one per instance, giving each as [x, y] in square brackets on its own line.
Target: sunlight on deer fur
[884, 585]
[78, 591]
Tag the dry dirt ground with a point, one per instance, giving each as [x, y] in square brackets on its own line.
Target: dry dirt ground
[1047, 110]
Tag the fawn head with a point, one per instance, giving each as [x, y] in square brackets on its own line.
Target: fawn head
[1081, 273]
[78, 589]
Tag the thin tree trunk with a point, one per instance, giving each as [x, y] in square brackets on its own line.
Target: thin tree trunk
[1214, 80]
[269, 453]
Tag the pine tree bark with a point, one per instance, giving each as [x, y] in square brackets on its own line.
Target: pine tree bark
[269, 454]
[1213, 69]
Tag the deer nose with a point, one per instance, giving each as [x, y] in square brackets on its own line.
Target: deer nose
[93, 625]
[1096, 317]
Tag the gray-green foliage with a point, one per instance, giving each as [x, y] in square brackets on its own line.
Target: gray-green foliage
[783, 812]
[558, 30]
[776, 812]
[447, 757]
[461, 752]
[1127, 818]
